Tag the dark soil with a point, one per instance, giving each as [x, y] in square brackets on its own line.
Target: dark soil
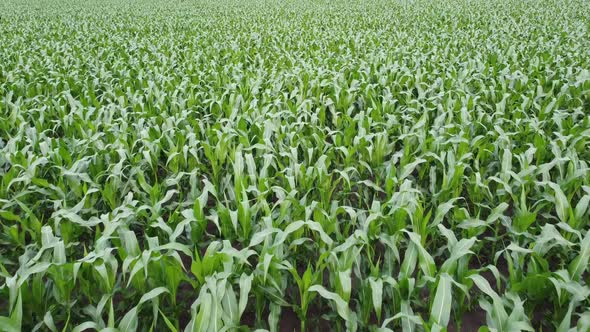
[470, 322]
[289, 321]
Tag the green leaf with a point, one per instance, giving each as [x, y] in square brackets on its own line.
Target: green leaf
[204, 314]
[168, 323]
[9, 325]
[441, 306]
[48, 321]
[561, 202]
[341, 305]
[376, 295]
[7, 215]
[130, 321]
[245, 285]
[564, 326]
[580, 263]
[85, 326]
[152, 294]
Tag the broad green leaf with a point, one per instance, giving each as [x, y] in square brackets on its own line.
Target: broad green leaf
[441, 306]
[341, 305]
[580, 263]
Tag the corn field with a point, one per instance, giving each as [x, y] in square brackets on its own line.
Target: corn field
[346, 165]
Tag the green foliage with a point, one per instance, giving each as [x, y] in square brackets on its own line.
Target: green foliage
[192, 165]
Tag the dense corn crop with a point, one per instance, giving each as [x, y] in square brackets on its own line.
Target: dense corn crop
[278, 165]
